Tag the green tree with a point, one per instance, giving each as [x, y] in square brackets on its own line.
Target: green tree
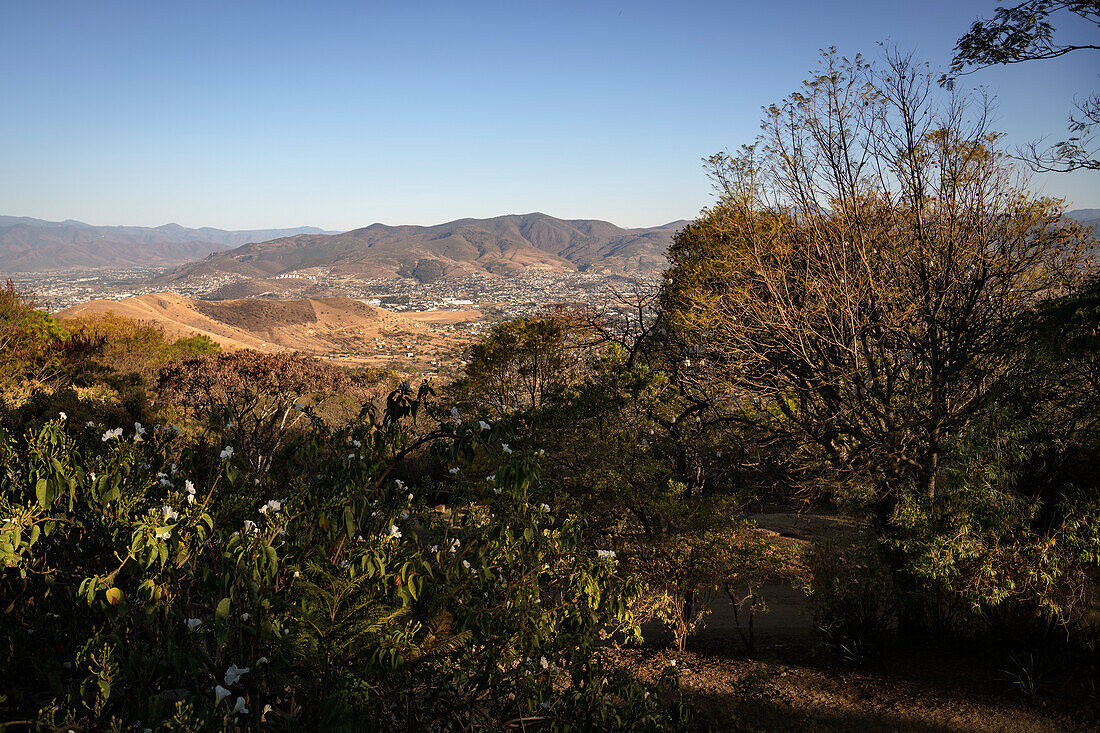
[517, 366]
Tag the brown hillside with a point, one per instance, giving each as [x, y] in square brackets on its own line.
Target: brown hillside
[341, 329]
[503, 245]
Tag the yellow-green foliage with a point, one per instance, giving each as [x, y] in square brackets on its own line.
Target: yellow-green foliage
[129, 346]
[31, 345]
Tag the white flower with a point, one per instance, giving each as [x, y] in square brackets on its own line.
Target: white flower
[491, 478]
[63, 416]
[297, 574]
[274, 505]
[466, 564]
[239, 707]
[90, 423]
[138, 429]
[164, 535]
[357, 443]
[483, 425]
[92, 475]
[544, 508]
[394, 532]
[672, 663]
[399, 482]
[227, 453]
[504, 447]
[190, 489]
[262, 660]
[454, 471]
[220, 693]
[543, 663]
[169, 513]
[165, 482]
[541, 452]
[435, 548]
[605, 554]
[245, 616]
[455, 544]
[139, 439]
[249, 525]
[194, 623]
[496, 490]
[111, 434]
[454, 412]
[234, 673]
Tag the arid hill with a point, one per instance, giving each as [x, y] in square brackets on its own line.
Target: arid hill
[341, 329]
[502, 245]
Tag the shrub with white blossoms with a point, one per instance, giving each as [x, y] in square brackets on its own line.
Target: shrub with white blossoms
[360, 604]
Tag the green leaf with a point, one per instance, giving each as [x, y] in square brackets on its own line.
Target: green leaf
[40, 492]
[221, 613]
[114, 596]
[349, 522]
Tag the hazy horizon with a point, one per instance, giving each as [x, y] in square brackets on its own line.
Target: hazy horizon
[332, 230]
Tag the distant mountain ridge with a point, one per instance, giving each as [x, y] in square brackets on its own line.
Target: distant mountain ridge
[1085, 216]
[502, 245]
[35, 245]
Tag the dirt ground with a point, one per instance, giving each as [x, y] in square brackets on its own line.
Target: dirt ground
[790, 682]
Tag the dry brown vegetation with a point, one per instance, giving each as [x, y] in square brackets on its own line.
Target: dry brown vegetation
[342, 330]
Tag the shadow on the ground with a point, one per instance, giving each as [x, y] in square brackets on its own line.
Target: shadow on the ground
[796, 687]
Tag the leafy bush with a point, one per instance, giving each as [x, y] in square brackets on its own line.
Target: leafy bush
[149, 582]
[853, 596]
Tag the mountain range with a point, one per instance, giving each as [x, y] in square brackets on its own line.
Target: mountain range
[502, 245]
[1090, 217]
[34, 245]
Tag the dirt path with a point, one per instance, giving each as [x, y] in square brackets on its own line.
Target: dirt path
[791, 683]
[791, 689]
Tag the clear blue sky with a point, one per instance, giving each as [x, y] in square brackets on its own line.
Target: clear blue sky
[340, 114]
